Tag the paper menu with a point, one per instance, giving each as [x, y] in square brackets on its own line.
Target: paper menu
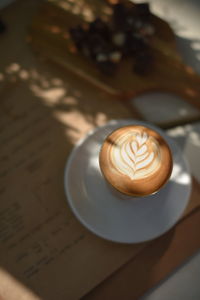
[45, 253]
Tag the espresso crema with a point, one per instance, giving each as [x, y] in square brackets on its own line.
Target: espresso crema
[136, 160]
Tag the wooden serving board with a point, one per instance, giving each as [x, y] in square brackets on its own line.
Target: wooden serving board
[49, 36]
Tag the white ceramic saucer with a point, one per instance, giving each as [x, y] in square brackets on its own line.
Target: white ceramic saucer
[108, 216]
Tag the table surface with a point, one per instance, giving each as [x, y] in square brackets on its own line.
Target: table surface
[183, 16]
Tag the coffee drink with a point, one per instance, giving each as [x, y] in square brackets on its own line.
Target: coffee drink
[136, 160]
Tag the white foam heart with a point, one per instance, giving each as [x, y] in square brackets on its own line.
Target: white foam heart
[131, 155]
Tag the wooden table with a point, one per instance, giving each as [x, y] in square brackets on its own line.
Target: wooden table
[87, 108]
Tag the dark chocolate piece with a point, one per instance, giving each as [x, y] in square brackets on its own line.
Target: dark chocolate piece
[134, 44]
[78, 35]
[107, 67]
[119, 15]
[143, 63]
[143, 11]
[98, 45]
[98, 26]
[2, 27]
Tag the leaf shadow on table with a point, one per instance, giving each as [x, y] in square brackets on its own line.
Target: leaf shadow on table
[44, 112]
[43, 115]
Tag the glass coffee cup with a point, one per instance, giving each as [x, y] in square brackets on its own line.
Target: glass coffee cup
[136, 161]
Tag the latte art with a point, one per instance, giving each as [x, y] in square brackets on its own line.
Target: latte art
[135, 160]
[135, 154]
